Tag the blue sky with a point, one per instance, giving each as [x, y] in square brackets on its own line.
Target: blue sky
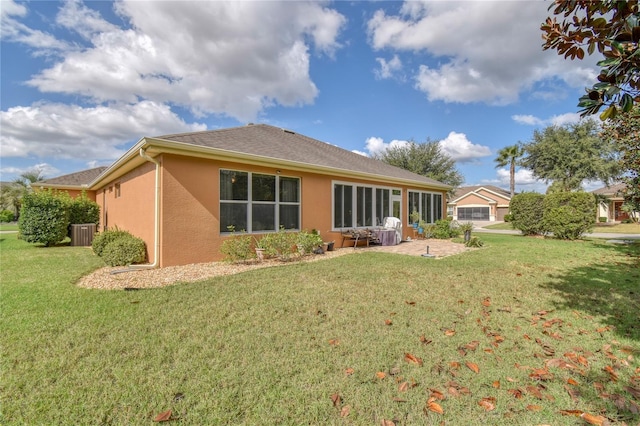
[83, 81]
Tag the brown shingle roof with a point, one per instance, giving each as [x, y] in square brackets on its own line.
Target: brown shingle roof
[464, 190]
[81, 178]
[615, 189]
[276, 143]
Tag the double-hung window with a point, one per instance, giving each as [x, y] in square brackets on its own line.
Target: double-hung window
[256, 202]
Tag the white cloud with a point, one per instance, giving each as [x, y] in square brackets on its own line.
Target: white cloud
[388, 68]
[375, 145]
[523, 177]
[46, 170]
[364, 154]
[458, 147]
[491, 57]
[70, 131]
[556, 120]
[211, 57]
[12, 30]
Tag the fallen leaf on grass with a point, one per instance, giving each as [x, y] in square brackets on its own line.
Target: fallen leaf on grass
[436, 394]
[612, 374]
[486, 302]
[387, 423]
[594, 420]
[534, 407]
[633, 391]
[496, 384]
[573, 382]
[576, 413]
[489, 403]
[349, 371]
[403, 387]
[345, 411]
[517, 393]
[434, 407]
[412, 359]
[573, 393]
[334, 342]
[449, 332]
[388, 322]
[163, 417]
[424, 340]
[410, 302]
[473, 367]
[336, 400]
[380, 375]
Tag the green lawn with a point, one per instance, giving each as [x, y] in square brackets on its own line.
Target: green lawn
[548, 325]
[621, 228]
[8, 226]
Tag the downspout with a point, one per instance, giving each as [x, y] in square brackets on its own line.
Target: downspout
[156, 231]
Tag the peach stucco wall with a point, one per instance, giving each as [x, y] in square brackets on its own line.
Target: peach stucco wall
[189, 205]
[133, 210]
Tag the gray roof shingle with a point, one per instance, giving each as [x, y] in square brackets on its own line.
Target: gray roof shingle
[80, 178]
[276, 143]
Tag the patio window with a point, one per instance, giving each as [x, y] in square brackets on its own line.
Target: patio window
[427, 204]
[256, 202]
[360, 206]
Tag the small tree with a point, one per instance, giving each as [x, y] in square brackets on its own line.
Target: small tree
[568, 215]
[83, 210]
[527, 213]
[44, 217]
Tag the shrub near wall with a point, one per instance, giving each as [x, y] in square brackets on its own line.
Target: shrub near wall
[119, 248]
[527, 212]
[568, 215]
[44, 217]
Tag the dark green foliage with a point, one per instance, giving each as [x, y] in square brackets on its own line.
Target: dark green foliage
[508, 217]
[6, 216]
[527, 212]
[83, 210]
[101, 240]
[44, 218]
[568, 215]
[444, 229]
[602, 219]
[125, 250]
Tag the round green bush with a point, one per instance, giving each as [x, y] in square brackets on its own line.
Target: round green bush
[44, 218]
[527, 212]
[568, 215]
[124, 251]
[101, 240]
[83, 210]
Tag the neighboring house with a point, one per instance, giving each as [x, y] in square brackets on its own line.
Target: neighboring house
[481, 203]
[611, 205]
[181, 193]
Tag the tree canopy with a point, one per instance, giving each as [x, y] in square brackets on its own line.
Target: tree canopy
[613, 28]
[567, 155]
[426, 159]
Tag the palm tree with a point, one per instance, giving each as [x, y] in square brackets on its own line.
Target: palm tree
[13, 192]
[510, 155]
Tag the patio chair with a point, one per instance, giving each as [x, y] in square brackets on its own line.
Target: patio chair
[394, 223]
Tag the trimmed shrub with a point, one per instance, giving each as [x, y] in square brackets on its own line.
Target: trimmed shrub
[527, 212]
[508, 217]
[602, 219]
[238, 247]
[44, 218]
[568, 215]
[6, 216]
[101, 240]
[444, 229]
[125, 250]
[280, 244]
[308, 242]
[83, 210]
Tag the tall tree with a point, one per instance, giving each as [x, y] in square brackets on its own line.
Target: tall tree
[612, 27]
[426, 159]
[567, 155]
[624, 131]
[12, 193]
[510, 155]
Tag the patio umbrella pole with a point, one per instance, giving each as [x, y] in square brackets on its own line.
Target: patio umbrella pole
[427, 253]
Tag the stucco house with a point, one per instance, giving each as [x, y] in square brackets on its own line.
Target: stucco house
[485, 203]
[180, 193]
[612, 200]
